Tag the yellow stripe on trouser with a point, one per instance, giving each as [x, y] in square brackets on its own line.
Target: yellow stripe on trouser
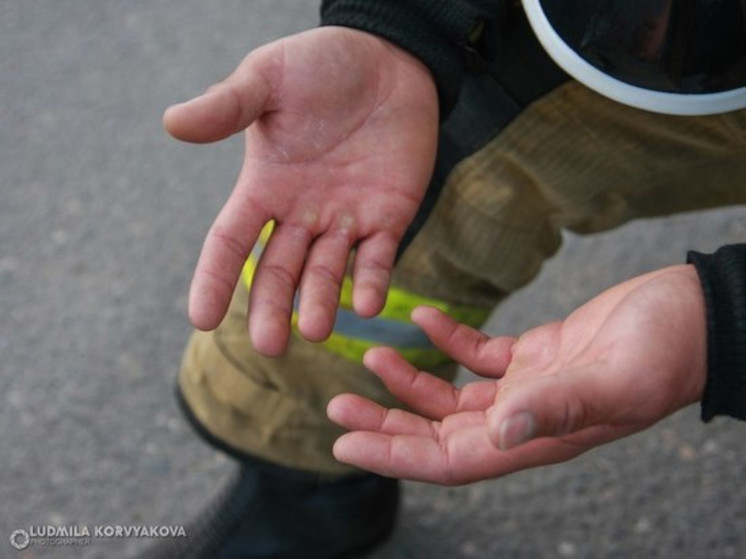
[394, 316]
[572, 160]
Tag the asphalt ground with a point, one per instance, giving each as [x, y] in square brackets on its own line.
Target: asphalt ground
[101, 219]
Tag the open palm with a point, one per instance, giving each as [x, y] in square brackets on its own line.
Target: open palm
[341, 132]
[621, 362]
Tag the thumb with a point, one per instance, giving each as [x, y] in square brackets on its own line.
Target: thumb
[224, 109]
[545, 406]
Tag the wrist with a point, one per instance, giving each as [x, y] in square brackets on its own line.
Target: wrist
[438, 34]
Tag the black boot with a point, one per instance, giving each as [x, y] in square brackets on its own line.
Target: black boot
[273, 512]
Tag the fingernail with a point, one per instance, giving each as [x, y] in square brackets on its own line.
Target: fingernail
[517, 430]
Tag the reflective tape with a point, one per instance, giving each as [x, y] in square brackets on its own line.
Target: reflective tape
[353, 335]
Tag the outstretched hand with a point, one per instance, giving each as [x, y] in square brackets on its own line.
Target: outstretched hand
[341, 132]
[618, 364]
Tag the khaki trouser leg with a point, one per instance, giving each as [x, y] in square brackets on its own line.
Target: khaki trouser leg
[572, 160]
[273, 408]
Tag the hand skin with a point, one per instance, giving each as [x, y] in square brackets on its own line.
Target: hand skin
[341, 133]
[615, 366]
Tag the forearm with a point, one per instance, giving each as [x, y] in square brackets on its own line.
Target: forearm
[443, 34]
[723, 277]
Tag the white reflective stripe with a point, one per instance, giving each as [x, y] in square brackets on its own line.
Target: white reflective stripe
[590, 76]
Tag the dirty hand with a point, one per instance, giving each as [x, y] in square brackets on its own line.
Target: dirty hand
[626, 359]
[341, 133]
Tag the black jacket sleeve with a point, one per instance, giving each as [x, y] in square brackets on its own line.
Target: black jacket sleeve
[723, 277]
[443, 34]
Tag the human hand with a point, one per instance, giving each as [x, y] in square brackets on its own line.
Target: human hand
[626, 359]
[341, 133]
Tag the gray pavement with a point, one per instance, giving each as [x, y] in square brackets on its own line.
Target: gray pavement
[101, 219]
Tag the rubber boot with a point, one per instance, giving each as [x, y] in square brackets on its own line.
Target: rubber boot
[268, 511]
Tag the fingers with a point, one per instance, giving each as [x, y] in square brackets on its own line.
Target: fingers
[319, 273]
[356, 413]
[428, 395]
[374, 261]
[292, 259]
[414, 457]
[322, 278]
[323, 273]
[274, 286]
[223, 255]
[226, 108]
[471, 348]
[457, 450]
[403, 445]
[464, 456]
[402, 456]
[545, 406]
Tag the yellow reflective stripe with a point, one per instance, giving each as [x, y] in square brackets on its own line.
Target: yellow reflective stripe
[247, 272]
[266, 232]
[399, 303]
[399, 306]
